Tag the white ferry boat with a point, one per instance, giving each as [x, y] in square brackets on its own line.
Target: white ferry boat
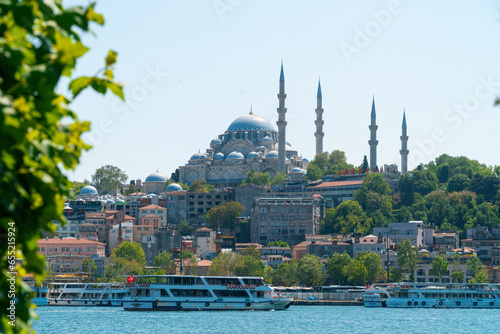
[86, 294]
[176, 293]
[433, 295]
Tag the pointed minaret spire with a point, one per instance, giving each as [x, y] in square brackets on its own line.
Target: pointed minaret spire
[373, 142]
[404, 146]
[282, 75]
[319, 134]
[251, 112]
[281, 123]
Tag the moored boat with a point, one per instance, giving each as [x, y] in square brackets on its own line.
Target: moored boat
[434, 295]
[86, 294]
[196, 293]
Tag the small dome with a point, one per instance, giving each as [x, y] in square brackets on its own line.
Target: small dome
[89, 190]
[267, 139]
[109, 201]
[272, 155]
[235, 155]
[299, 171]
[203, 156]
[219, 156]
[196, 156]
[156, 177]
[216, 141]
[253, 155]
[174, 187]
[304, 159]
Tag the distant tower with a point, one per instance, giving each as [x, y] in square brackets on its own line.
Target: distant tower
[319, 134]
[281, 123]
[373, 142]
[404, 147]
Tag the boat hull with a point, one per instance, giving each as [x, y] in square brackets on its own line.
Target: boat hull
[444, 303]
[207, 305]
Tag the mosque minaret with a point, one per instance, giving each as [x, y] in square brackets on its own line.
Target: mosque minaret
[281, 122]
[404, 147]
[373, 142]
[319, 134]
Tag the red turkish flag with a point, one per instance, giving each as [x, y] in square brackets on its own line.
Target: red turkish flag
[130, 279]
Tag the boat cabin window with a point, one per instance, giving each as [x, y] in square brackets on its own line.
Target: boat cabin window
[222, 280]
[258, 294]
[190, 293]
[231, 293]
[182, 280]
[104, 296]
[253, 281]
[164, 293]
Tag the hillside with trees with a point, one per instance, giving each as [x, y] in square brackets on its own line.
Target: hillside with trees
[450, 192]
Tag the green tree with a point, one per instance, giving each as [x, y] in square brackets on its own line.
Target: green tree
[425, 181]
[327, 163]
[131, 189]
[408, 258]
[89, 269]
[345, 218]
[458, 182]
[477, 269]
[268, 275]
[406, 186]
[223, 265]
[396, 275]
[309, 272]
[251, 251]
[278, 243]
[189, 263]
[335, 268]
[356, 272]
[364, 166]
[257, 178]
[457, 275]
[313, 172]
[279, 179]
[200, 186]
[373, 264]
[165, 260]
[248, 265]
[439, 266]
[286, 274]
[185, 229]
[41, 42]
[108, 178]
[131, 251]
[224, 215]
[444, 173]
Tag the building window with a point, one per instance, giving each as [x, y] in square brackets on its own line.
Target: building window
[263, 210]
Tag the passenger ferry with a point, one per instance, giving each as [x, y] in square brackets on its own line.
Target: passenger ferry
[86, 294]
[186, 293]
[433, 295]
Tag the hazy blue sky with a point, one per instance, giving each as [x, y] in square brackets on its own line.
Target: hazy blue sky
[192, 67]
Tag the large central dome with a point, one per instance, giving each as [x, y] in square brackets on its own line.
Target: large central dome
[250, 123]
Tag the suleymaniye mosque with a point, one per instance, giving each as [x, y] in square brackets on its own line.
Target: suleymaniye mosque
[250, 143]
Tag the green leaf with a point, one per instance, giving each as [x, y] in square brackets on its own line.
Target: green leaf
[116, 89]
[99, 85]
[111, 58]
[93, 16]
[79, 84]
